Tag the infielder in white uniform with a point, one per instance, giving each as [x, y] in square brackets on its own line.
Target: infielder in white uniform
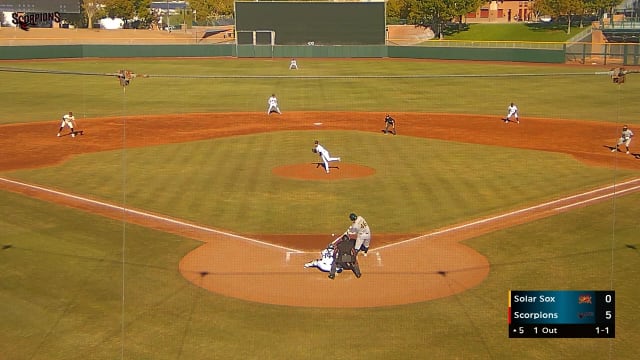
[625, 138]
[361, 231]
[324, 154]
[293, 65]
[512, 111]
[68, 120]
[273, 105]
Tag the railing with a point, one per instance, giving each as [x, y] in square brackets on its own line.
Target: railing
[625, 24]
[495, 44]
[581, 35]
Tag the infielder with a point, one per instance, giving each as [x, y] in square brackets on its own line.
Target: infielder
[68, 120]
[293, 65]
[512, 111]
[273, 105]
[324, 154]
[625, 138]
[361, 231]
[389, 123]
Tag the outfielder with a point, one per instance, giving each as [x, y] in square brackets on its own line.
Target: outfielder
[512, 111]
[361, 231]
[273, 105]
[68, 120]
[625, 138]
[389, 123]
[324, 154]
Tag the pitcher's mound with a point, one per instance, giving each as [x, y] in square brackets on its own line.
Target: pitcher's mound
[311, 171]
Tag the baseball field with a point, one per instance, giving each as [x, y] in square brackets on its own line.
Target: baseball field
[177, 225]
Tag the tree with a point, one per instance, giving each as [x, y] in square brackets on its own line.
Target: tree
[128, 9]
[463, 7]
[211, 9]
[560, 8]
[601, 7]
[399, 9]
[432, 12]
[91, 9]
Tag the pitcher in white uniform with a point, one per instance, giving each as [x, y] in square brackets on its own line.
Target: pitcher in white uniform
[324, 155]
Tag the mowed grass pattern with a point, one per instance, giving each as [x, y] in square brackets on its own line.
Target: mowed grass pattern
[228, 183]
[222, 85]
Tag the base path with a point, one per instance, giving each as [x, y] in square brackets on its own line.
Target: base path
[400, 268]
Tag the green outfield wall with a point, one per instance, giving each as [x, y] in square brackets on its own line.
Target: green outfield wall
[113, 51]
[478, 53]
[300, 51]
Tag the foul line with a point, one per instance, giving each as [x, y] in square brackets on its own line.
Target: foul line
[497, 217]
[290, 251]
[621, 192]
[144, 214]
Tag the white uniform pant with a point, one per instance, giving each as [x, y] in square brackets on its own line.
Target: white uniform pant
[363, 239]
[625, 141]
[68, 123]
[273, 107]
[326, 159]
[325, 262]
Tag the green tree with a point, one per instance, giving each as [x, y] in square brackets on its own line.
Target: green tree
[431, 12]
[560, 8]
[434, 13]
[399, 9]
[463, 7]
[600, 7]
[129, 10]
[211, 9]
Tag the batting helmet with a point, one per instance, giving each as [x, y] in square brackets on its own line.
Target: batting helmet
[353, 216]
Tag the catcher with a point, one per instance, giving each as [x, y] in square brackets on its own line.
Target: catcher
[325, 261]
[389, 123]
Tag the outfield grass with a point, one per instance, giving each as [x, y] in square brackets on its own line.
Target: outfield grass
[477, 88]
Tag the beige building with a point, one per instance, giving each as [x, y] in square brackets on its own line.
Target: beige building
[504, 11]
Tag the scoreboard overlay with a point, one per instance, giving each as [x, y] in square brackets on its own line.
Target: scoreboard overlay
[561, 314]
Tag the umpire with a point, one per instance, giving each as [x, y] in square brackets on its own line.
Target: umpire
[389, 125]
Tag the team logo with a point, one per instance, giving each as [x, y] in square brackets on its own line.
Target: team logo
[584, 299]
[585, 314]
[27, 20]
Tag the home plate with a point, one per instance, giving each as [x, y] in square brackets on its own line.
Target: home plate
[317, 124]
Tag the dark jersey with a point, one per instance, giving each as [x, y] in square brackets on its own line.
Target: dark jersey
[389, 120]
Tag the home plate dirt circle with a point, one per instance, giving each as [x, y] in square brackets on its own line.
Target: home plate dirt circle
[315, 171]
[403, 273]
